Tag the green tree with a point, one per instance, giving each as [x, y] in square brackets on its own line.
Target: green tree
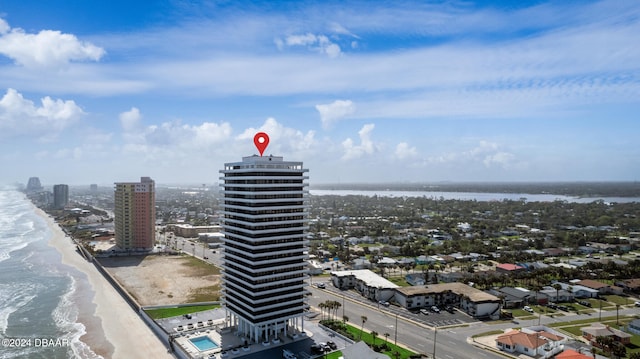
[364, 320]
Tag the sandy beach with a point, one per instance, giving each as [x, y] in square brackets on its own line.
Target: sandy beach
[123, 334]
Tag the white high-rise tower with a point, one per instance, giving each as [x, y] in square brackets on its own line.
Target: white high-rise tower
[265, 220]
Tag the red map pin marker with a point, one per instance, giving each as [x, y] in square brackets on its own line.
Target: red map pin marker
[261, 140]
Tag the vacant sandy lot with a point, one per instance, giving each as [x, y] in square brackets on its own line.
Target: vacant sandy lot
[159, 280]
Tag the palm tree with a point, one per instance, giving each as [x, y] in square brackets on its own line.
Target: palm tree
[364, 320]
[337, 306]
[557, 287]
[322, 306]
[374, 335]
[386, 339]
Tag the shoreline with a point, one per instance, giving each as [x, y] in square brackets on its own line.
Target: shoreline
[124, 333]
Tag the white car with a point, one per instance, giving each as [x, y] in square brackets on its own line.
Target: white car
[637, 304]
[528, 309]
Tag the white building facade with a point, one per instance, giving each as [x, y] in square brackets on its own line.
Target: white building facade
[265, 220]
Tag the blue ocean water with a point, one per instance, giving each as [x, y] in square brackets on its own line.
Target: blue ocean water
[38, 294]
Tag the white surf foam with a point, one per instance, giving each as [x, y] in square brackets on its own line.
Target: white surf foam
[65, 316]
[14, 297]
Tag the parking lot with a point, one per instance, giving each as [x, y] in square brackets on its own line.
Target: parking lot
[443, 318]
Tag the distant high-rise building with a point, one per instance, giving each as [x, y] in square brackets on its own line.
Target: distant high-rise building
[93, 187]
[60, 196]
[265, 210]
[135, 214]
[33, 185]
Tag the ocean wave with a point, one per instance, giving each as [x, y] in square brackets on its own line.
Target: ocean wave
[13, 297]
[65, 315]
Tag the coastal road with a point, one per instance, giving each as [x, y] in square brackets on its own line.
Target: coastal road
[193, 247]
[450, 343]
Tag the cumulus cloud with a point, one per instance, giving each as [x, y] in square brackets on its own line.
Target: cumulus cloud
[332, 112]
[404, 151]
[490, 154]
[281, 138]
[366, 146]
[130, 120]
[175, 134]
[48, 48]
[319, 43]
[20, 116]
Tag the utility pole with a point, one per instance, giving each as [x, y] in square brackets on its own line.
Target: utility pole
[435, 332]
[600, 314]
[396, 335]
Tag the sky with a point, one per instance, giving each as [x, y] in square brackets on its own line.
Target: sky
[360, 91]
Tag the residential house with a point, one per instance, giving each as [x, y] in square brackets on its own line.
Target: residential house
[602, 288]
[557, 296]
[580, 291]
[630, 285]
[507, 268]
[415, 279]
[634, 326]
[361, 263]
[601, 330]
[531, 342]
[572, 354]
[554, 252]
[512, 297]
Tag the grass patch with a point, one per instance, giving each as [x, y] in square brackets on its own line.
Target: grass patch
[616, 299]
[205, 294]
[202, 268]
[174, 312]
[334, 355]
[519, 312]
[582, 321]
[399, 281]
[357, 334]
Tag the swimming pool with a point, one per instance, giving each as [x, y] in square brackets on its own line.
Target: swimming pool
[203, 343]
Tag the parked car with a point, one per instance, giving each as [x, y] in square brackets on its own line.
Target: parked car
[332, 345]
[585, 303]
[435, 309]
[450, 309]
[424, 311]
[386, 304]
[315, 348]
[637, 304]
[528, 309]
[320, 285]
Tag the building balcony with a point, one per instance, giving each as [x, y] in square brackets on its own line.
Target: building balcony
[227, 222]
[270, 279]
[255, 232]
[258, 240]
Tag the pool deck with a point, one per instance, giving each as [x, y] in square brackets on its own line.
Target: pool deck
[230, 344]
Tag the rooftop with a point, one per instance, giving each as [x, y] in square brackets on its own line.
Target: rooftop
[475, 295]
[527, 340]
[367, 276]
